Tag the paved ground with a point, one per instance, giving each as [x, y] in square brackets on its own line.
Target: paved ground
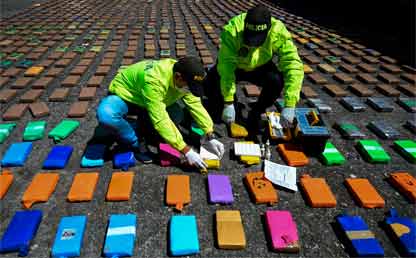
[131, 24]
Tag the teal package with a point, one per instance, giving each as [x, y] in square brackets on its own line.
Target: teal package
[34, 130]
[68, 239]
[5, 130]
[121, 236]
[183, 235]
[63, 130]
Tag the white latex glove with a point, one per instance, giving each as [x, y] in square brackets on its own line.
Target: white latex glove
[286, 117]
[195, 159]
[228, 113]
[216, 147]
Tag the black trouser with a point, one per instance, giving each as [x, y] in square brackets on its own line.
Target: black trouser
[267, 76]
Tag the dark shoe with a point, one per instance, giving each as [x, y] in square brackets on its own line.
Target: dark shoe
[143, 155]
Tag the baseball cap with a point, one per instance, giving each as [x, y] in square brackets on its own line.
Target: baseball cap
[257, 24]
[193, 73]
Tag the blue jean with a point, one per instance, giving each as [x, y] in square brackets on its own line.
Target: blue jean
[111, 116]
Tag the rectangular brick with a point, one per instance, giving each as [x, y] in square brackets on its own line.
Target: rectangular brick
[388, 90]
[102, 70]
[335, 90]
[387, 59]
[361, 90]
[370, 59]
[252, 90]
[78, 109]
[366, 78]
[87, 93]
[348, 68]
[326, 68]
[407, 89]
[307, 69]
[21, 83]
[95, 81]
[409, 77]
[343, 78]
[11, 72]
[367, 68]
[59, 94]
[336, 52]
[308, 92]
[78, 70]
[34, 71]
[39, 109]
[42, 83]
[3, 81]
[54, 71]
[207, 60]
[390, 68]
[6, 95]
[312, 59]
[351, 60]
[317, 78]
[31, 96]
[63, 62]
[321, 52]
[15, 112]
[84, 62]
[71, 81]
[388, 78]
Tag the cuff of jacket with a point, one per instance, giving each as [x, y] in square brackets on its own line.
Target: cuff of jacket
[290, 102]
[179, 146]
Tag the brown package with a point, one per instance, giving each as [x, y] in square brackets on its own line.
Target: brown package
[7, 95]
[120, 186]
[178, 191]
[59, 94]
[361, 90]
[364, 193]
[252, 91]
[15, 112]
[78, 109]
[230, 231]
[318, 192]
[39, 109]
[31, 96]
[87, 93]
[335, 91]
[260, 188]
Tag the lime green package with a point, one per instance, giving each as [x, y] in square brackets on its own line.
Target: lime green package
[373, 152]
[34, 130]
[331, 156]
[5, 130]
[407, 148]
[63, 130]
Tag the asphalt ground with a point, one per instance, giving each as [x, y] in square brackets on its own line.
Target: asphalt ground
[316, 226]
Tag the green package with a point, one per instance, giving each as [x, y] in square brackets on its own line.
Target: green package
[331, 156]
[407, 148]
[5, 130]
[63, 130]
[197, 130]
[373, 152]
[34, 131]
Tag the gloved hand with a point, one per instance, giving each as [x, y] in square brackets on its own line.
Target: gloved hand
[228, 113]
[195, 159]
[216, 147]
[286, 117]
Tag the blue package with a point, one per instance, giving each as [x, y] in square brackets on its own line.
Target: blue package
[124, 160]
[58, 157]
[16, 154]
[404, 229]
[121, 236]
[183, 235]
[362, 239]
[21, 230]
[68, 239]
[93, 156]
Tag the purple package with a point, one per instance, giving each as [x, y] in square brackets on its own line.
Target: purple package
[220, 190]
[168, 155]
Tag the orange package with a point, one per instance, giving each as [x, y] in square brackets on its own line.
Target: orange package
[364, 193]
[405, 183]
[260, 188]
[178, 191]
[83, 187]
[120, 186]
[40, 189]
[6, 179]
[318, 192]
[293, 154]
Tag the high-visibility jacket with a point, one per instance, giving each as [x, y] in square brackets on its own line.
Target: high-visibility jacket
[234, 54]
[150, 85]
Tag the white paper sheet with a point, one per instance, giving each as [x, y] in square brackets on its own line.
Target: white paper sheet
[247, 149]
[281, 175]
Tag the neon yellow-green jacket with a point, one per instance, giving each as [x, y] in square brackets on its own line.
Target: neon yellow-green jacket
[149, 84]
[278, 42]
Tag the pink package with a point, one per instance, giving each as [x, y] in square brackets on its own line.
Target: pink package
[168, 155]
[282, 231]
